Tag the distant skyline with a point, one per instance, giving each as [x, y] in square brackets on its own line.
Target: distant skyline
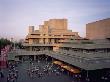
[17, 15]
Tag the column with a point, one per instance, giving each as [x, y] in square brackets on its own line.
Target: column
[41, 41]
[46, 40]
[31, 41]
[53, 41]
[30, 48]
[34, 57]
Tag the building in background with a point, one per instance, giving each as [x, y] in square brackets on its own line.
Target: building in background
[98, 30]
[51, 32]
[88, 54]
[53, 40]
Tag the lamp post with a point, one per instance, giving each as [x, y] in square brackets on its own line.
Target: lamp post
[13, 43]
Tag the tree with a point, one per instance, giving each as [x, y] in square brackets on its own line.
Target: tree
[3, 43]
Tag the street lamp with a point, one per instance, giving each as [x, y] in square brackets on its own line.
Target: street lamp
[13, 42]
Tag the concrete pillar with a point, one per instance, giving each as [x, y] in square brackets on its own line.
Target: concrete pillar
[22, 58]
[46, 40]
[31, 29]
[53, 41]
[68, 73]
[34, 57]
[31, 41]
[41, 41]
[30, 48]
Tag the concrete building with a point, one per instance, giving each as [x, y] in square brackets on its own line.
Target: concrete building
[65, 45]
[52, 32]
[91, 57]
[98, 30]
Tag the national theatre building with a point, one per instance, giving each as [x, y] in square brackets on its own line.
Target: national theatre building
[86, 56]
[53, 32]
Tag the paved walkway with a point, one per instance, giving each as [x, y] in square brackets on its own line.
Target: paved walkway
[23, 76]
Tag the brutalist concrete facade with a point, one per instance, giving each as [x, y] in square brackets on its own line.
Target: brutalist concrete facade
[98, 30]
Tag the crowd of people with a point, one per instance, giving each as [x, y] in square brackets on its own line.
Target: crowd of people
[43, 68]
[37, 70]
[12, 73]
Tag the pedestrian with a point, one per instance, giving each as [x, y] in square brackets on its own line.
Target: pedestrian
[8, 78]
[1, 74]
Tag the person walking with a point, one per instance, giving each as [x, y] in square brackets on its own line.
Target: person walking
[1, 74]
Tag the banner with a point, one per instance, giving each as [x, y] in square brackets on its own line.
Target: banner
[3, 56]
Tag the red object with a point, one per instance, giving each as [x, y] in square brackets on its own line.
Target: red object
[3, 64]
[3, 56]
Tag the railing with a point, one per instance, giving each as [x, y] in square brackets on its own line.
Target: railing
[33, 36]
[78, 59]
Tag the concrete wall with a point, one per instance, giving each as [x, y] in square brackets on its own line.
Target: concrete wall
[98, 30]
[50, 32]
[58, 24]
[31, 29]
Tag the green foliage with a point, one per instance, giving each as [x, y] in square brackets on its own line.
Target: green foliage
[4, 42]
[19, 45]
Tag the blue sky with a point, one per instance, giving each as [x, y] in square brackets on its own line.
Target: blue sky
[17, 15]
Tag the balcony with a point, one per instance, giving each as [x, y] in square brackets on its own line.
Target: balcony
[39, 44]
[34, 36]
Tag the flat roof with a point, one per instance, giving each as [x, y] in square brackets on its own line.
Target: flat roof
[84, 61]
[87, 46]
